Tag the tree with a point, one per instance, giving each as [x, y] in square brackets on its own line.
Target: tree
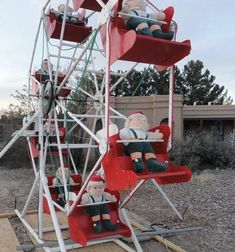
[27, 103]
[194, 83]
[199, 86]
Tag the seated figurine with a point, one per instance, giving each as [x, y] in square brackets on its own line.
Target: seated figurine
[59, 185]
[44, 72]
[136, 9]
[71, 17]
[99, 212]
[136, 127]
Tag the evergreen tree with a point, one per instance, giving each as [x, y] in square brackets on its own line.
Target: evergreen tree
[199, 86]
[194, 83]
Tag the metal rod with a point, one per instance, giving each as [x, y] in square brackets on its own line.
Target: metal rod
[95, 116]
[133, 235]
[53, 214]
[61, 40]
[171, 107]
[79, 122]
[19, 133]
[35, 183]
[122, 78]
[74, 65]
[74, 146]
[145, 18]
[138, 141]
[125, 201]
[85, 183]
[117, 113]
[31, 156]
[30, 229]
[167, 199]
[61, 157]
[89, 150]
[86, 93]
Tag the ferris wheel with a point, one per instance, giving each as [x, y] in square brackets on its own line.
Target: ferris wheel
[70, 104]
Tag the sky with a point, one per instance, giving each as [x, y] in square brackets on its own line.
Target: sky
[210, 26]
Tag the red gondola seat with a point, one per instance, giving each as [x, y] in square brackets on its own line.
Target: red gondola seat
[64, 91]
[33, 141]
[119, 173]
[81, 226]
[77, 180]
[130, 46]
[90, 5]
[73, 33]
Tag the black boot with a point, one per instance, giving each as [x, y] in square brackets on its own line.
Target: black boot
[163, 35]
[145, 31]
[138, 165]
[155, 166]
[61, 202]
[97, 227]
[109, 226]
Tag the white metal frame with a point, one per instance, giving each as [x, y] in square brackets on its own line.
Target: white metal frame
[102, 111]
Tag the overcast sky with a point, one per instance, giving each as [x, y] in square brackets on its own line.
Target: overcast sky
[210, 26]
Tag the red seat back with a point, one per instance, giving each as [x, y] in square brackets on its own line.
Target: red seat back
[81, 226]
[119, 173]
[77, 180]
[73, 33]
[129, 46]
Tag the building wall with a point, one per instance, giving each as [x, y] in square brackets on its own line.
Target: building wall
[154, 107]
[185, 117]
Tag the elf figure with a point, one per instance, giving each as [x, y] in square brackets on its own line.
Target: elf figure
[99, 212]
[136, 127]
[136, 19]
[58, 184]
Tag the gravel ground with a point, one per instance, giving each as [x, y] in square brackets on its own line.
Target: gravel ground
[208, 201]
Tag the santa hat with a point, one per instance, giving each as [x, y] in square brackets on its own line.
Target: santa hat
[138, 113]
[96, 181]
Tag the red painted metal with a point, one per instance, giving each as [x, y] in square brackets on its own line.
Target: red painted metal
[81, 226]
[38, 77]
[90, 4]
[119, 173]
[77, 180]
[34, 142]
[87, 4]
[64, 91]
[129, 46]
[73, 33]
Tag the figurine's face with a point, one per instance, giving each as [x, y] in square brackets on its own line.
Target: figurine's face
[45, 65]
[138, 122]
[96, 190]
[66, 173]
[61, 7]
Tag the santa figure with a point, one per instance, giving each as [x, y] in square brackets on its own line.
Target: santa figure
[136, 127]
[144, 23]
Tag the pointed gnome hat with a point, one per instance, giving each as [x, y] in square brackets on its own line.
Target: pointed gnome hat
[96, 180]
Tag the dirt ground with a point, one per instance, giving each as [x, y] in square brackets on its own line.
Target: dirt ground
[207, 201]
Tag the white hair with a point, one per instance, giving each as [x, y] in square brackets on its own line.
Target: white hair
[137, 116]
[143, 4]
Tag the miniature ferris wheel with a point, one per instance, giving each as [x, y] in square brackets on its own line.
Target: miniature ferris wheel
[72, 41]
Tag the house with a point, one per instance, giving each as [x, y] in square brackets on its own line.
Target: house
[218, 119]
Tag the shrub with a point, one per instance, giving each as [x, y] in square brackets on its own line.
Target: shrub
[199, 150]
